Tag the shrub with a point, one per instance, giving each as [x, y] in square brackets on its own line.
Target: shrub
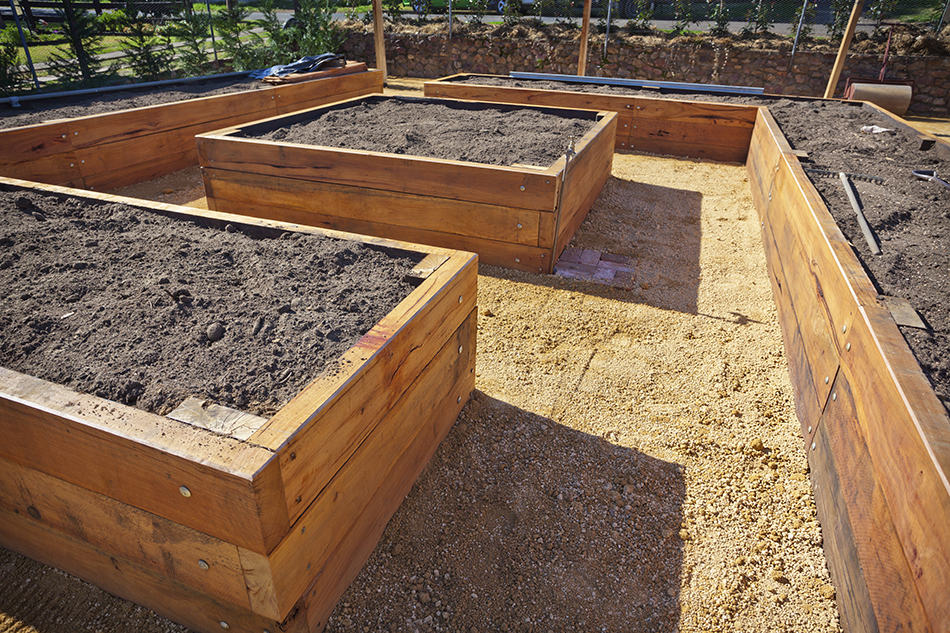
[682, 15]
[393, 10]
[479, 8]
[245, 48]
[719, 15]
[191, 28]
[807, 27]
[760, 17]
[639, 14]
[512, 13]
[840, 12]
[315, 32]
[12, 76]
[148, 51]
[76, 61]
[880, 9]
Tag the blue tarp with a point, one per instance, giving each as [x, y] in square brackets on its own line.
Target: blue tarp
[302, 65]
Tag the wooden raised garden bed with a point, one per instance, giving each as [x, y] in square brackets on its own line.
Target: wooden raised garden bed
[107, 151]
[878, 438]
[519, 216]
[695, 129]
[255, 531]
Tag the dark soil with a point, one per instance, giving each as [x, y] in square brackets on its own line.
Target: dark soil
[480, 133]
[31, 112]
[910, 217]
[146, 309]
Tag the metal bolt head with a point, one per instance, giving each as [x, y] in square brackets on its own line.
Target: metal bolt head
[522, 187]
[847, 347]
[517, 260]
[224, 625]
[460, 349]
[460, 298]
[812, 446]
[184, 491]
[844, 328]
[203, 564]
[834, 396]
[519, 225]
[809, 428]
[459, 400]
[826, 380]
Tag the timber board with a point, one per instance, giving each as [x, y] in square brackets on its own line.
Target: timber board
[246, 498]
[514, 216]
[118, 148]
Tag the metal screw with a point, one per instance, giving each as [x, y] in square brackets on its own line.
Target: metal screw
[812, 446]
[770, 195]
[459, 400]
[75, 133]
[834, 396]
[460, 349]
[303, 529]
[522, 187]
[293, 455]
[639, 107]
[203, 564]
[628, 106]
[83, 161]
[72, 164]
[847, 347]
[184, 491]
[844, 328]
[519, 225]
[517, 260]
[625, 125]
[826, 380]
[224, 625]
[809, 428]
[634, 127]
[460, 298]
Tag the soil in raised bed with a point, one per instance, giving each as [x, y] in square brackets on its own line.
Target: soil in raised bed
[910, 217]
[145, 309]
[31, 112]
[480, 133]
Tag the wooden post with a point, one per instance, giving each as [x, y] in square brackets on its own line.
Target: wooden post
[843, 49]
[585, 28]
[379, 38]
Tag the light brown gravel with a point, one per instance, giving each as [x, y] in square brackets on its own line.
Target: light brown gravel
[631, 461]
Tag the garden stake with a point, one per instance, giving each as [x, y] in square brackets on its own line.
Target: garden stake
[862, 221]
[214, 46]
[26, 47]
[801, 21]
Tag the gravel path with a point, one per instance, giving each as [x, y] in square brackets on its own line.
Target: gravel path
[631, 461]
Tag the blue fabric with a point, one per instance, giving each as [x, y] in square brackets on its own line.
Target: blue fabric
[303, 65]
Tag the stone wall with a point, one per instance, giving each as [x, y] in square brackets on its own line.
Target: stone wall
[434, 55]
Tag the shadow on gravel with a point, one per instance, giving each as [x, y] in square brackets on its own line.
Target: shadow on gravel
[658, 228]
[522, 524]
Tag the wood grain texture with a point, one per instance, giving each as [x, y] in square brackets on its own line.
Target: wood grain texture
[322, 427]
[695, 129]
[114, 149]
[230, 189]
[876, 591]
[845, 330]
[127, 580]
[385, 459]
[148, 540]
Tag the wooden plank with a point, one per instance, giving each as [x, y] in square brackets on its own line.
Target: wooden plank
[132, 582]
[56, 169]
[585, 31]
[321, 428]
[455, 180]
[343, 561]
[843, 48]
[491, 252]
[875, 588]
[150, 541]
[231, 191]
[287, 103]
[142, 459]
[352, 497]
[217, 418]
[379, 40]
[30, 142]
[348, 68]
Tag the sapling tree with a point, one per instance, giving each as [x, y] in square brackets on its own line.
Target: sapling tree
[148, 50]
[479, 8]
[246, 48]
[719, 14]
[682, 15]
[12, 76]
[761, 17]
[76, 62]
[192, 29]
[807, 23]
[639, 15]
[840, 12]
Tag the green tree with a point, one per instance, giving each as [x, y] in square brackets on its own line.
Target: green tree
[840, 12]
[807, 27]
[246, 48]
[12, 76]
[719, 15]
[148, 51]
[76, 61]
[192, 29]
[682, 15]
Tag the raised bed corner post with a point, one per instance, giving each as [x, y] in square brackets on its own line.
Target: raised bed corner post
[843, 49]
[585, 29]
[378, 37]
[26, 47]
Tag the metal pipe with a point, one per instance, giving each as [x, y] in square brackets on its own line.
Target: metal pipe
[610, 3]
[641, 83]
[943, 16]
[147, 84]
[214, 46]
[450, 19]
[801, 21]
[26, 47]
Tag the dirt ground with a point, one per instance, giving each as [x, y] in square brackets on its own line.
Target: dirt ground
[630, 461]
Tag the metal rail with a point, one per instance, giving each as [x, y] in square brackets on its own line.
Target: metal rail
[642, 83]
